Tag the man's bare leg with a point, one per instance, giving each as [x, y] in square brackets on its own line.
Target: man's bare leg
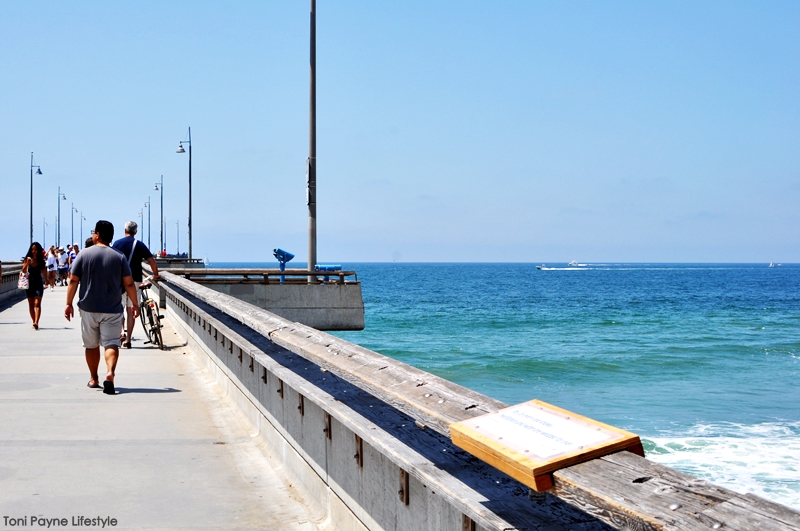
[112, 355]
[130, 322]
[93, 361]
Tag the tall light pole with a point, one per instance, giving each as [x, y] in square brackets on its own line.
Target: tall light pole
[38, 172]
[160, 186]
[44, 234]
[81, 243]
[181, 150]
[72, 228]
[177, 239]
[61, 197]
[147, 205]
[311, 165]
[141, 215]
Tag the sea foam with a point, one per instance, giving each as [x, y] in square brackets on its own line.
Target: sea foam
[763, 458]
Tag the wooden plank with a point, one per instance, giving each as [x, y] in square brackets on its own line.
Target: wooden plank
[624, 490]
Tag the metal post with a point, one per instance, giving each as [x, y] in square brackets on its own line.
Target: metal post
[311, 168]
[177, 239]
[148, 221]
[31, 242]
[81, 243]
[161, 224]
[190, 194]
[44, 234]
[72, 223]
[58, 222]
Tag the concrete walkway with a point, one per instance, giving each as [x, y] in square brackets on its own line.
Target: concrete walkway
[167, 452]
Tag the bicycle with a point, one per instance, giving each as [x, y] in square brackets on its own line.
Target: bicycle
[151, 320]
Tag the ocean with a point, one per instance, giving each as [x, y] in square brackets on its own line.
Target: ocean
[701, 360]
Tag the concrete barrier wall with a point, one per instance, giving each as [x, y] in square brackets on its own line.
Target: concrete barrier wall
[8, 283]
[321, 306]
[369, 436]
[368, 464]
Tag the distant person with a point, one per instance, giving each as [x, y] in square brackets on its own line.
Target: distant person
[134, 252]
[73, 254]
[63, 266]
[34, 265]
[52, 264]
[99, 272]
[88, 243]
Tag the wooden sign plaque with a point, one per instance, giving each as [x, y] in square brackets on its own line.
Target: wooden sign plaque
[531, 440]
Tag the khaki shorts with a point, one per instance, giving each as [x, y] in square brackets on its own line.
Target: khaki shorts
[100, 329]
[126, 301]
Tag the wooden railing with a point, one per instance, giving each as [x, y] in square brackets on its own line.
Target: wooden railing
[262, 276]
[624, 490]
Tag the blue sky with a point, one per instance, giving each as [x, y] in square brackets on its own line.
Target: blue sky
[447, 131]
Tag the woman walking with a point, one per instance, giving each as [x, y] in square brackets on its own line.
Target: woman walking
[34, 265]
[51, 268]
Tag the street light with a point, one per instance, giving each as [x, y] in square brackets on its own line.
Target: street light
[181, 150]
[147, 204]
[177, 239]
[38, 172]
[44, 233]
[160, 186]
[141, 215]
[61, 197]
[82, 242]
[72, 228]
[311, 165]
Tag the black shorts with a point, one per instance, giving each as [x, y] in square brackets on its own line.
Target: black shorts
[35, 292]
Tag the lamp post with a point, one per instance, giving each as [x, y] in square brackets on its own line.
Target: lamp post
[61, 197]
[72, 228]
[147, 204]
[82, 240]
[38, 172]
[160, 186]
[44, 234]
[177, 239]
[181, 150]
[311, 165]
[141, 215]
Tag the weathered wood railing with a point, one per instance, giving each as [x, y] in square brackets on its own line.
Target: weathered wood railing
[262, 276]
[623, 490]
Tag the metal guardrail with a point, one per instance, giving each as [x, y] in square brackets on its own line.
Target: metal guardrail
[263, 276]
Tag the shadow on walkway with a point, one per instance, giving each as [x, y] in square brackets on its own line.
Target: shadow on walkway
[144, 390]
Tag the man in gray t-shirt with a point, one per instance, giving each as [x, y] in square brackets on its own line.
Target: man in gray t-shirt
[100, 272]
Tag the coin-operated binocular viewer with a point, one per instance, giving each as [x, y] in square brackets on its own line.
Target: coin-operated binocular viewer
[283, 257]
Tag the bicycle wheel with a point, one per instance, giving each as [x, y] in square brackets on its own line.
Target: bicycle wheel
[144, 315]
[156, 330]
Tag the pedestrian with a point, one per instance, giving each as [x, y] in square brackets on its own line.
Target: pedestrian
[88, 243]
[51, 267]
[63, 266]
[99, 272]
[34, 265]
[134, 251]
[73, 254]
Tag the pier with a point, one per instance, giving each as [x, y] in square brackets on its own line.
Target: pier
[331, 434]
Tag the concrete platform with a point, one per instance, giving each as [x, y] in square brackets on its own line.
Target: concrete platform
[167, 452]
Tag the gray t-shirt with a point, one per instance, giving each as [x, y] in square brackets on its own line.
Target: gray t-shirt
[101, 270]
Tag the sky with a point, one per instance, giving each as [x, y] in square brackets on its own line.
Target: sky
[446, 131]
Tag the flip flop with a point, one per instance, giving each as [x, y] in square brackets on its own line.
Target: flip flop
[95, 386]
[108, 387]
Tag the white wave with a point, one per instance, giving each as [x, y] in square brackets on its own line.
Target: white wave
[763, 458]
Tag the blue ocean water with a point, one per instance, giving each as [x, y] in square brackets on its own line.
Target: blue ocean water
[701, 360]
